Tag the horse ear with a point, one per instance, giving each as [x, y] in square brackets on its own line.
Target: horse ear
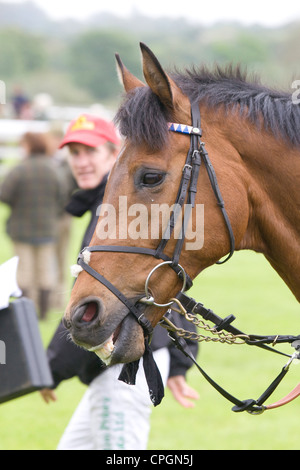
[127, 79]
[159, 82]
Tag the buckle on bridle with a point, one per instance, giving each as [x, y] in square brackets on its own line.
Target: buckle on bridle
[187, 167]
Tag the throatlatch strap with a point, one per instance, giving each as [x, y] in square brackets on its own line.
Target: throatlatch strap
[220, 201]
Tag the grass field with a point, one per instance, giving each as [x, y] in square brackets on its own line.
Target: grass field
[248, 288]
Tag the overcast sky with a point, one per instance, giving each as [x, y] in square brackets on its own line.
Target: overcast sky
[265, 12]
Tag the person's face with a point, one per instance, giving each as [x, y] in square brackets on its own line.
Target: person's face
[89, 165]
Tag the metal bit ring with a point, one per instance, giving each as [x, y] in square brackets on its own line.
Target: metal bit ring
[149, 299]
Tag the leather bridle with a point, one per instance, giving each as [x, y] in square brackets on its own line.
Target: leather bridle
[186, 195]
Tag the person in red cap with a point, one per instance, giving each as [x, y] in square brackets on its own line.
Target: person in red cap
[111, 415]
[93, 146]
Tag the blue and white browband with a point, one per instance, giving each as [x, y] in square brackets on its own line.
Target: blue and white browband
[183, 128]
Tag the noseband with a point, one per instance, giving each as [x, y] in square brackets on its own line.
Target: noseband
[186, 195]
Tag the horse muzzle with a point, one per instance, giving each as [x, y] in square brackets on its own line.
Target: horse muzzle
[115, 338]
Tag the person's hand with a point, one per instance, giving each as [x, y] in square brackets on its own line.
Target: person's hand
[182, 392]
[48, 395]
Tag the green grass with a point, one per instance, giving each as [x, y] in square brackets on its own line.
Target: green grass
[247, 287]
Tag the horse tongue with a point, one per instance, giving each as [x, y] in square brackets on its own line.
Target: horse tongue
[90, 312]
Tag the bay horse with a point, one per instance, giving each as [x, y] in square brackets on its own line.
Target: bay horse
[249, 190]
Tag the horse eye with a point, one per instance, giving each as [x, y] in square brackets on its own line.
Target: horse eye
[152, 179]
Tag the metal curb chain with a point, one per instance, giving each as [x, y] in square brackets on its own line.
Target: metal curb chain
[221, 336]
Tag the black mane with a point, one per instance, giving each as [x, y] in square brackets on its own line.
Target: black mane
[143, 119]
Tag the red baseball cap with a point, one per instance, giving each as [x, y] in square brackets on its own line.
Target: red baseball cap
[90, 130]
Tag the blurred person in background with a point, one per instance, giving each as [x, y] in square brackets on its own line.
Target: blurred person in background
[111, 414]
[34, 192]
[59, 156]
[21, 104]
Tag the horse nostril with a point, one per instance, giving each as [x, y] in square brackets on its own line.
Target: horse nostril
[86, 314]
[90, 312]
[67, 323]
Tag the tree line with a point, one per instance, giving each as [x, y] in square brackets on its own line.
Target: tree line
[80, 67]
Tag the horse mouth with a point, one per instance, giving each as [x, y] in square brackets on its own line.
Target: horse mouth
[105, 350]
[117, 339]
[125, 344]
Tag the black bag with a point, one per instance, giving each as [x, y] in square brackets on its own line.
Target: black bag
[23, 363]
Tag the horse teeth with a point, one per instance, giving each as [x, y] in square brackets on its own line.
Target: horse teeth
[104, 352]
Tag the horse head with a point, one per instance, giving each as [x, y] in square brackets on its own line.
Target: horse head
[112, 317]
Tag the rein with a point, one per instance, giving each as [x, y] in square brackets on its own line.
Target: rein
[252, 406]
[186, 195]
